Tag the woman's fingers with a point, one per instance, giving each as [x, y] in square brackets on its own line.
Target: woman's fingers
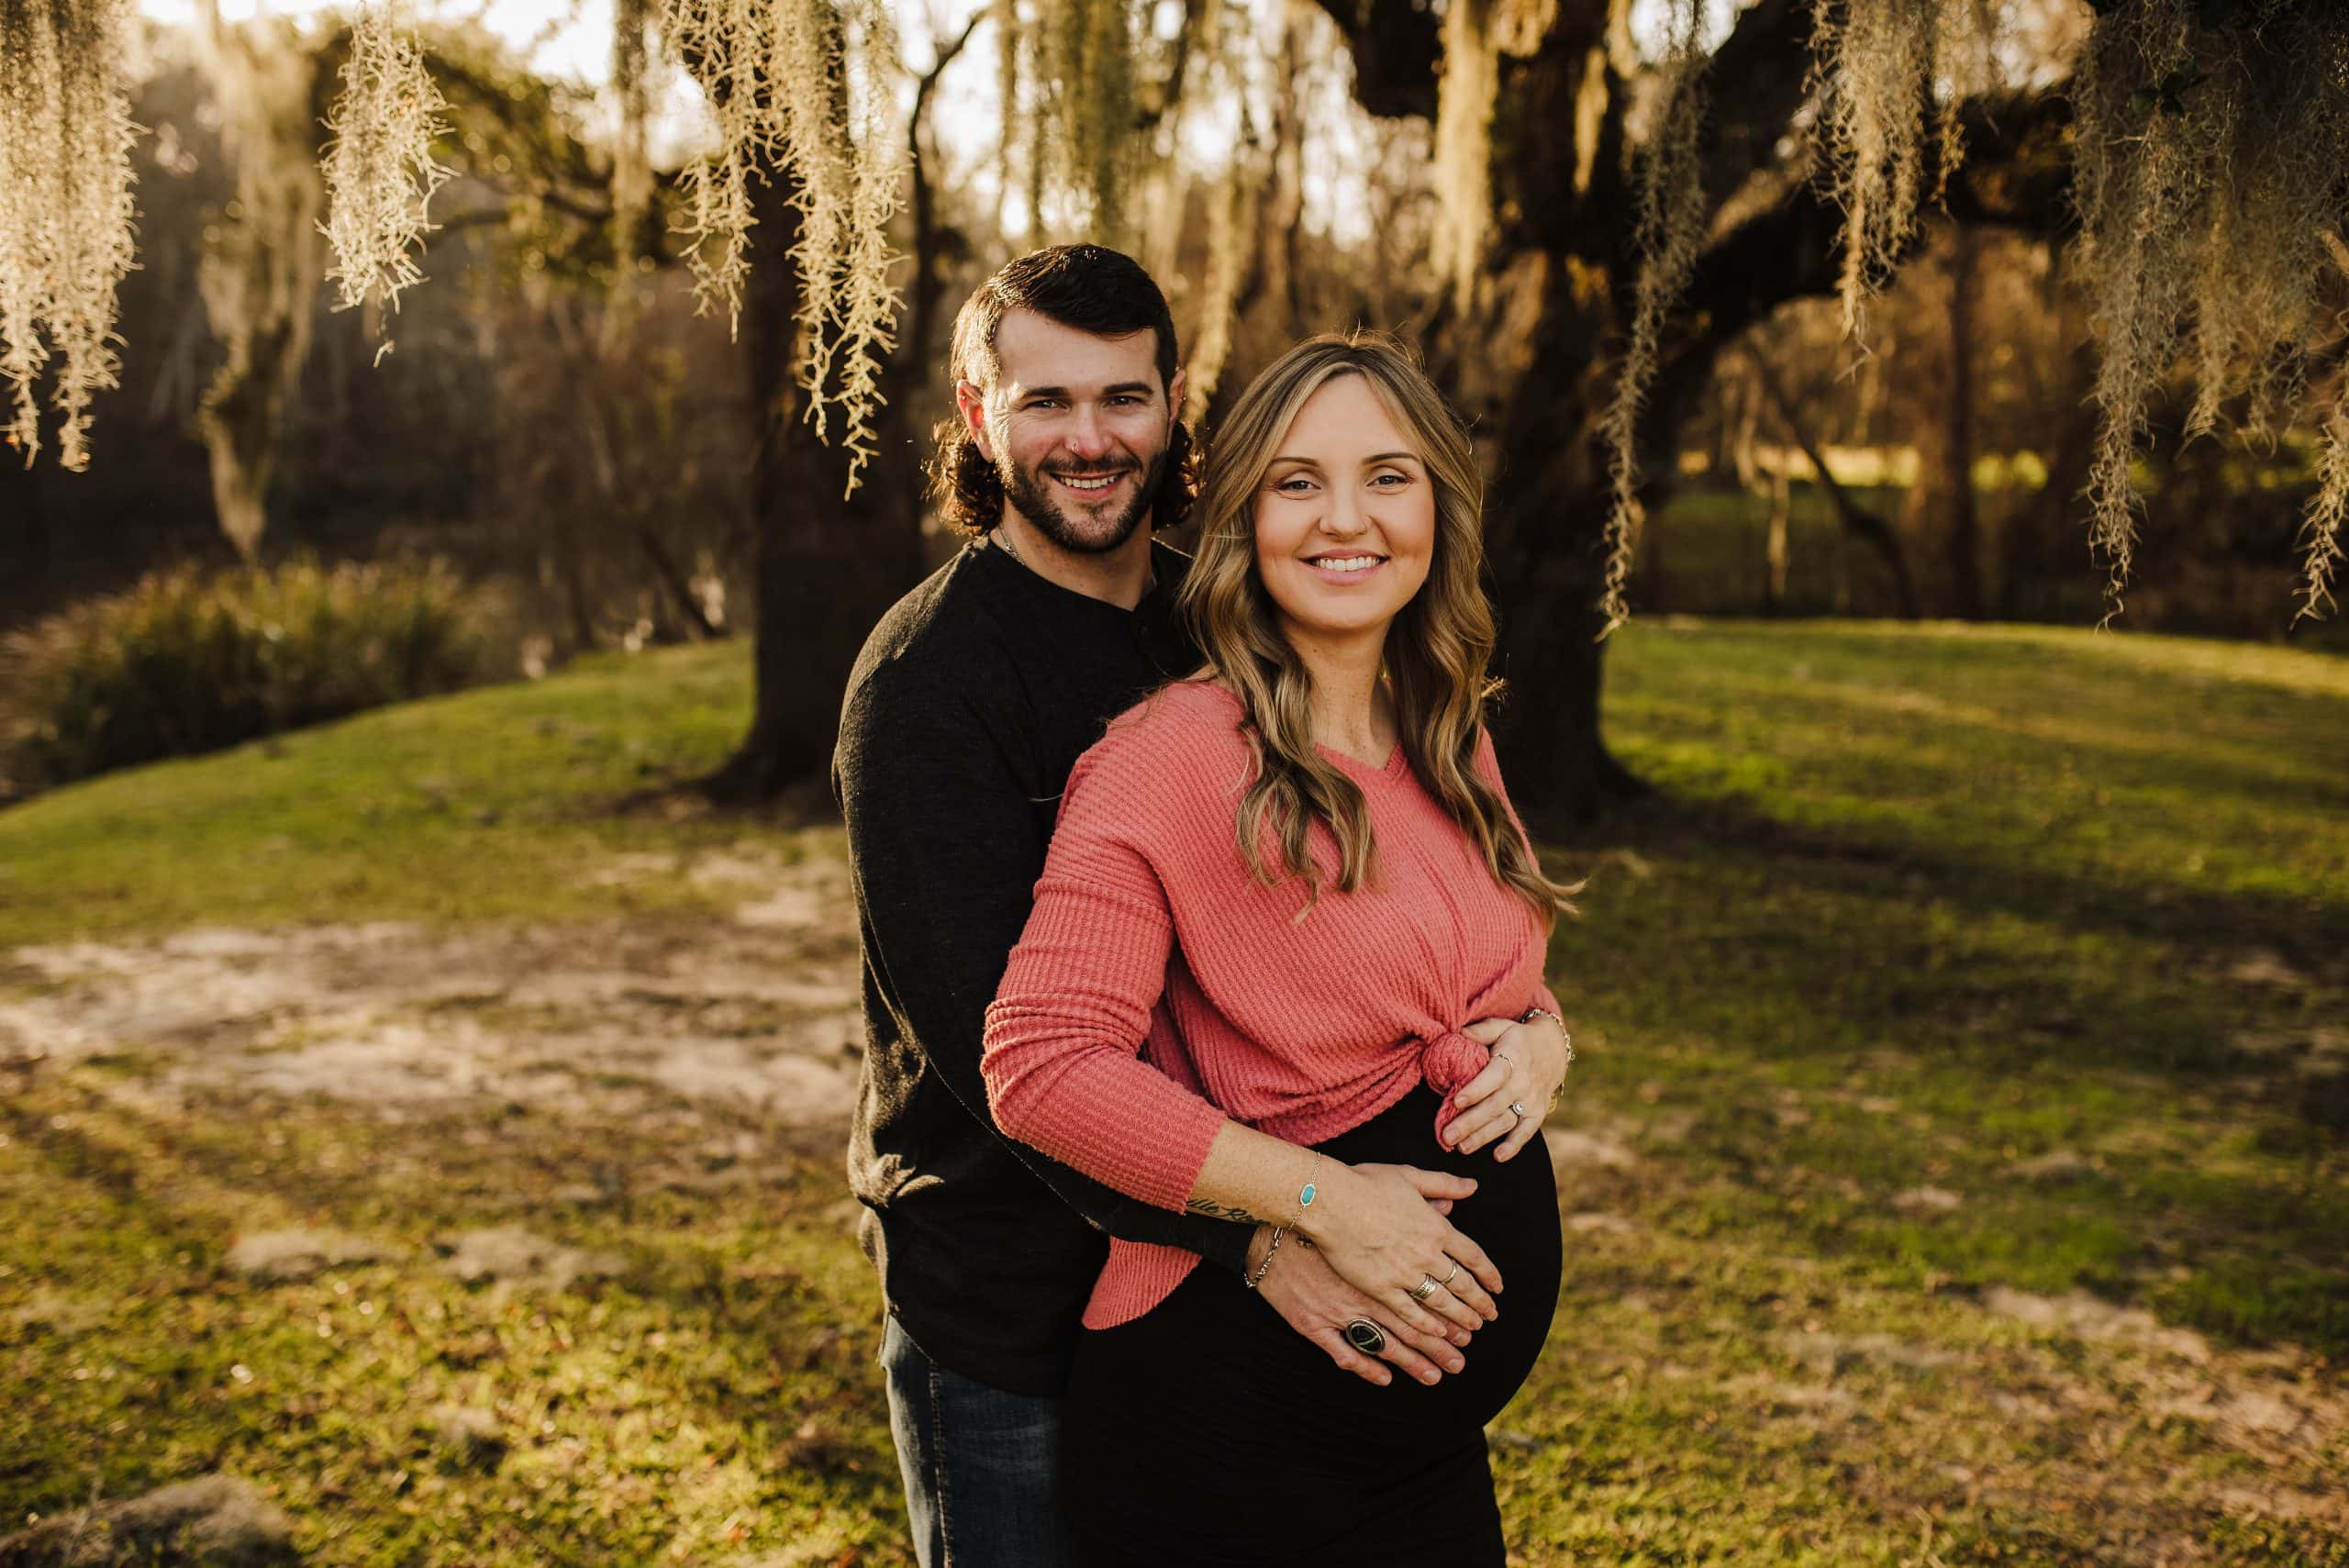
[1443, 1304]
[1487, 1081]
[1472, 1258]
[1518, 1136]
[1432, 1183]
[1481, 1123]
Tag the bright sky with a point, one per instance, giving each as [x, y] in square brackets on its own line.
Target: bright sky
[573, 39]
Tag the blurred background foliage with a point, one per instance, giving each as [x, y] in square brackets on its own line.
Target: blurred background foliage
[558, 425]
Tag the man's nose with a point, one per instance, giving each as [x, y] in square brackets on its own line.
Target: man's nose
[1088, 437]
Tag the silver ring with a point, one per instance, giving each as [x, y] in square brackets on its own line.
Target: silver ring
[1517, 1108]
[1429, 1284]
[1450, 1277]
[1365, 1336]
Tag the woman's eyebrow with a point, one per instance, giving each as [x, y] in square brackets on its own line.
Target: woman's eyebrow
[1376, 457]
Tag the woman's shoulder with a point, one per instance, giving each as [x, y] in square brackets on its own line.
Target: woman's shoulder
[1181, 743]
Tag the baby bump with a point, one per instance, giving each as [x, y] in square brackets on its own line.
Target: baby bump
[1513, 1216]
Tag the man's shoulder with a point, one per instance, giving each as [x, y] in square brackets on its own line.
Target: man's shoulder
[931, 643]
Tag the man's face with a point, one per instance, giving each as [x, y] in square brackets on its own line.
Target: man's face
[1077, 428]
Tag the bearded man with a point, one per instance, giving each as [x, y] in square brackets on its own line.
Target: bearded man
[970, 703]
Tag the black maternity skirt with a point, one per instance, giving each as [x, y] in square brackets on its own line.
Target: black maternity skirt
[1207, 1433]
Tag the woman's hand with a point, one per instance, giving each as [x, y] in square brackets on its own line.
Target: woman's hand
[1528, 1067]
[1374, 1226]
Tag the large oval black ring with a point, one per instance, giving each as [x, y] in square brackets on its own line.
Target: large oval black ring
[1365, 1336]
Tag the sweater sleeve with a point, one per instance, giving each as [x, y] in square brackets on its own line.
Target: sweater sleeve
[1064, 1032]
[943, 844]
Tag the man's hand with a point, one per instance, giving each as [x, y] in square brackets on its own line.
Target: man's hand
[1310, 1297]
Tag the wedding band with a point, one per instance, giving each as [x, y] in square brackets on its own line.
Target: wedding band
[1365, 1336]
[1429, 1284]
[1455, 1270]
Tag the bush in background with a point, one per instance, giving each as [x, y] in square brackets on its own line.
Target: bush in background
[188, 661]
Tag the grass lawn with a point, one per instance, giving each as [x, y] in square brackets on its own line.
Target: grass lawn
[1953, 1160]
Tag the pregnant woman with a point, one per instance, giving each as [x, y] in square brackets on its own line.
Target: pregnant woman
[1284, 961]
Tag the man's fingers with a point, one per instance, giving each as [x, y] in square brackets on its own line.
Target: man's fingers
[1441, 1205]
[1348, 1358]
[1442, 1352]
[1410, 1362]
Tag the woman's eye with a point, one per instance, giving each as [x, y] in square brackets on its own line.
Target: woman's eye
[1294, 486]
[1399, 479]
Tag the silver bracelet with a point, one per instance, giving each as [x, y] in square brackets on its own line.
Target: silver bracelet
[1253, 1280]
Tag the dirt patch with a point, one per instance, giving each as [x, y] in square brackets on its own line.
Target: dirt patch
[291, 1256]
[759, 1007]
[212, 1519]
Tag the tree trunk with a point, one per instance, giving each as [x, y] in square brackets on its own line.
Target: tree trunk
[1940, 514]
[827, 566]
[24, 526]
[1537, 360]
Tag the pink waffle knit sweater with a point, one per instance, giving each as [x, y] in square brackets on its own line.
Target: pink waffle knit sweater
[1159, 988]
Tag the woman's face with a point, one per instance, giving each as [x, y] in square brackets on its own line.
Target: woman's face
[1345, 517]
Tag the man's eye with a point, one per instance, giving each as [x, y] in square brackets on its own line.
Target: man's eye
[1125, 400]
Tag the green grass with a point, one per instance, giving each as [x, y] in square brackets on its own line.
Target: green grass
[1914, 906]
[473, 807]
[2011, 879]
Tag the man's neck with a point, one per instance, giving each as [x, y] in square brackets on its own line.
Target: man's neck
[1120, 576]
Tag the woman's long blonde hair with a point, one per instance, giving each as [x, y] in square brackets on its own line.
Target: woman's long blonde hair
[1437, 647]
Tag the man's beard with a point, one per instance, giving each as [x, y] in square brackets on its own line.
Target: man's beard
[1027, 492]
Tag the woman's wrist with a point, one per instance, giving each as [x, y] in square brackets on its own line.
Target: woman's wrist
[1323, 1187]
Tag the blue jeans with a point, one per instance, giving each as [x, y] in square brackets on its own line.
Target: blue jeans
[982, 1466]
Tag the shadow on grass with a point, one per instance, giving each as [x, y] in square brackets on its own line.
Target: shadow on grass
[2005, 1016]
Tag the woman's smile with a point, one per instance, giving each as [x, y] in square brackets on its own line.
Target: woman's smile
[1348, 570]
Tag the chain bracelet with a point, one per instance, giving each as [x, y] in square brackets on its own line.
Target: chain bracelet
[1257, 1278]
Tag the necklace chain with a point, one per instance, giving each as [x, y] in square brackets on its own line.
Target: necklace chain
[1002, 540]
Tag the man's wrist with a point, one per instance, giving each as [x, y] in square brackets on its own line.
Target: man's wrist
[1259, 1246]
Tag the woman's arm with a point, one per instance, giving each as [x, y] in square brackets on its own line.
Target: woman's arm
[1063, 1075]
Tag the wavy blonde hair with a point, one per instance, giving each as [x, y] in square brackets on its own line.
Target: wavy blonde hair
[1437, 647]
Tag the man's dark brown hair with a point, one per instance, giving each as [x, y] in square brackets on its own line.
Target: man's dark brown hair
[1092, 289]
